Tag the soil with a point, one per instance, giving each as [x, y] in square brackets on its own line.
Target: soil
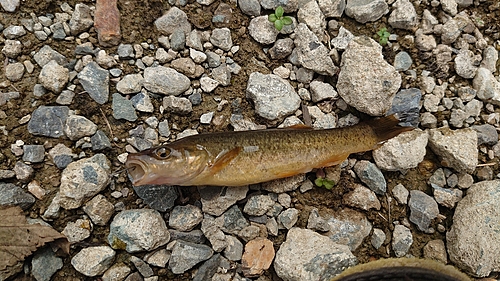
[137, 19]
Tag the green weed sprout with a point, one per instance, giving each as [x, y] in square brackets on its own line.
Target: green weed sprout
[383, 35]
[278, 19]
[324, 182]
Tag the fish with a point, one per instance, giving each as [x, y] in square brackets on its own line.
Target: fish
[241, 158]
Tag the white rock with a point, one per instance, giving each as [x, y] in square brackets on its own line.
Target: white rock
[486, 86]
[93, 261]
[402, 240]
[321, 91]
[54, 77]
[457, 149]
[262, 30]
[403, 15]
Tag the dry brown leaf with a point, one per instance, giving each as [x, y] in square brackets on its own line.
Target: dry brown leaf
[18, 239]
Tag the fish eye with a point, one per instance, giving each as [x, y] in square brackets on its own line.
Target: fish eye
[162, 152]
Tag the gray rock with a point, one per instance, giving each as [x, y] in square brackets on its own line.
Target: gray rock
[402, 152]
[458, 148]
[46, 54]
[449, 6]
[310, 14]
[232, 221]
[406, 103]
[58, 31]
[486, 86]
[209, 268]
[423, 209]
[348, 227]
[371, 176]
[288, 218]
[165, 80]
[10, 5]
[464, 64]
[211, 229]
[401, 194]
[490, 58]
[208, 84]
[321, 91]
[332, 8]
[81, 19]
[130, 84]
[185, 218]
[48, 121]
[100, 141]
[144, 269]
[216, 200]
[158, 197]
[213, 59]
[193, 40]
[23, 171]
[61, 155]
[12, 195]
[272, 226]
[12, 48]
[93, 261]
[438, 178]
[197, 56]
[316, 222]
[359, 82]
[402, 61]
[424, 42]
[14, 31]
[258, 205]
[163, 128]
[142, 102]
[274, 97]
[403, 15]
[123, 108]
[44, 264]
[486, 134]
[77, 127]
[447, 197]
[311, 53]
[194, 236]
[83, 179]
[221, 37]
[138, 230]
[362, 198]
[77, 231]
[234, 249]
[158, 258]
[125, 51]
[402, 239]
[315, 257]
[172, 20]
[5, 97]
[364, 11]
[65, 98]
[450, 31]
[177, 105]
[14, 71]
[378, 238]
[186, 255]
[249, 7]
[178, 40]
[117, 272]
[281, 48]
[262, 30]
[99, 209]
[95, 81]
[473, 242]
[283, 185]
[33, 153]
[342, 40]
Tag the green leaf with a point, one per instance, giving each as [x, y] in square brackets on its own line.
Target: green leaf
[272, 18]
[329, 184]
[278, 24]
[381, 32]
[279, 12]
[287, 20]
[318, 182]
[383, 41]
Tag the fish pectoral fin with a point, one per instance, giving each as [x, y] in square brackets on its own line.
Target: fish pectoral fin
[223, 159]
[336, 160]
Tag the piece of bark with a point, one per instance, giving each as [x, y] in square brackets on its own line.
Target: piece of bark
[107, 23]
[19, 239]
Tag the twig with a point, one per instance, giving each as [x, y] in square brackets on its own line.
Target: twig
[382, 216]
[486, 164]
[109, 126]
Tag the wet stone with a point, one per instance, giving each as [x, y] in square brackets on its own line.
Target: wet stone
[44, 264]
[12, 195]
[99, 209]
[158, 197]
[186, 255]
[48, 121]
[402, 240]
[95, 81]
[185, 218]
[93, 261]
[100, 141]
[128, 229]
[423, 209]
[123, 108]
[33, 153]
[369, 174]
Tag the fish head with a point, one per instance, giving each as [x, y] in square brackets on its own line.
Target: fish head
[166, 165]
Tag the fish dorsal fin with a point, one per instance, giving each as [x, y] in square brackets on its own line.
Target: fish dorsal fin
[299, 127]
[224, 158]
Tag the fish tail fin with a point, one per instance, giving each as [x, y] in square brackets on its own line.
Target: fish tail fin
[387, 127]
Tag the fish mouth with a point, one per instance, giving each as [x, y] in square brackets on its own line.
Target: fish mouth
[136, 171]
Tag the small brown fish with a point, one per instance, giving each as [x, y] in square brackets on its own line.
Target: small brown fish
[249, 157]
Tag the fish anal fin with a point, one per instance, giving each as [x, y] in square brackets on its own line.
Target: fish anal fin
[335, 160]
[299, 127]
[225, 158]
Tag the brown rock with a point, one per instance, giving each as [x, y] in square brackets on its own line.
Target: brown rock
[258, 255]
[107, 22]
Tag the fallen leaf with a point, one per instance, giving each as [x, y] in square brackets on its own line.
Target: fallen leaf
[19, 239]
